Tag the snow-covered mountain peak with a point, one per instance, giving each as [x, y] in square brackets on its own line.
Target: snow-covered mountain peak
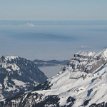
[84, 80]
[11, 57]
[8, 58]
[86, 53]
[18, 74]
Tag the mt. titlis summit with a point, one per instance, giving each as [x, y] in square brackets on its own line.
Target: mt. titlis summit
[81, 83]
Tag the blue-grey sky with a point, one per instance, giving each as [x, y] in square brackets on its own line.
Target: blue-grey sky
[53, 9]
[52, 29]
[51, 39]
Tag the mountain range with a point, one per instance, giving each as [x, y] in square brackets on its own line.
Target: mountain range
[41, 63]
[81, 83]
[18, 75]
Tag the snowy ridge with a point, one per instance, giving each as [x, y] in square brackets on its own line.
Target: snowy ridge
[81, 83]
[11, 57]
[18, 75]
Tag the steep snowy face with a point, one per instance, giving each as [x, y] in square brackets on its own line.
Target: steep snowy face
[83, 79]
[81, 83]
[18, 74]
[104, 53]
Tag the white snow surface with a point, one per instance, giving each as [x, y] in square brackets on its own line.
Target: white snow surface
[10, 57]
[18, 82]
[104, 53]
[80, 85]
[10, 67]
[88, 53]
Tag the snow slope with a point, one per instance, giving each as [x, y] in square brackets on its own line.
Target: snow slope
[82, 83]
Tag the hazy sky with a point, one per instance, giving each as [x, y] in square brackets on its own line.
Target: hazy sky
[51, 39]
[53, 9]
